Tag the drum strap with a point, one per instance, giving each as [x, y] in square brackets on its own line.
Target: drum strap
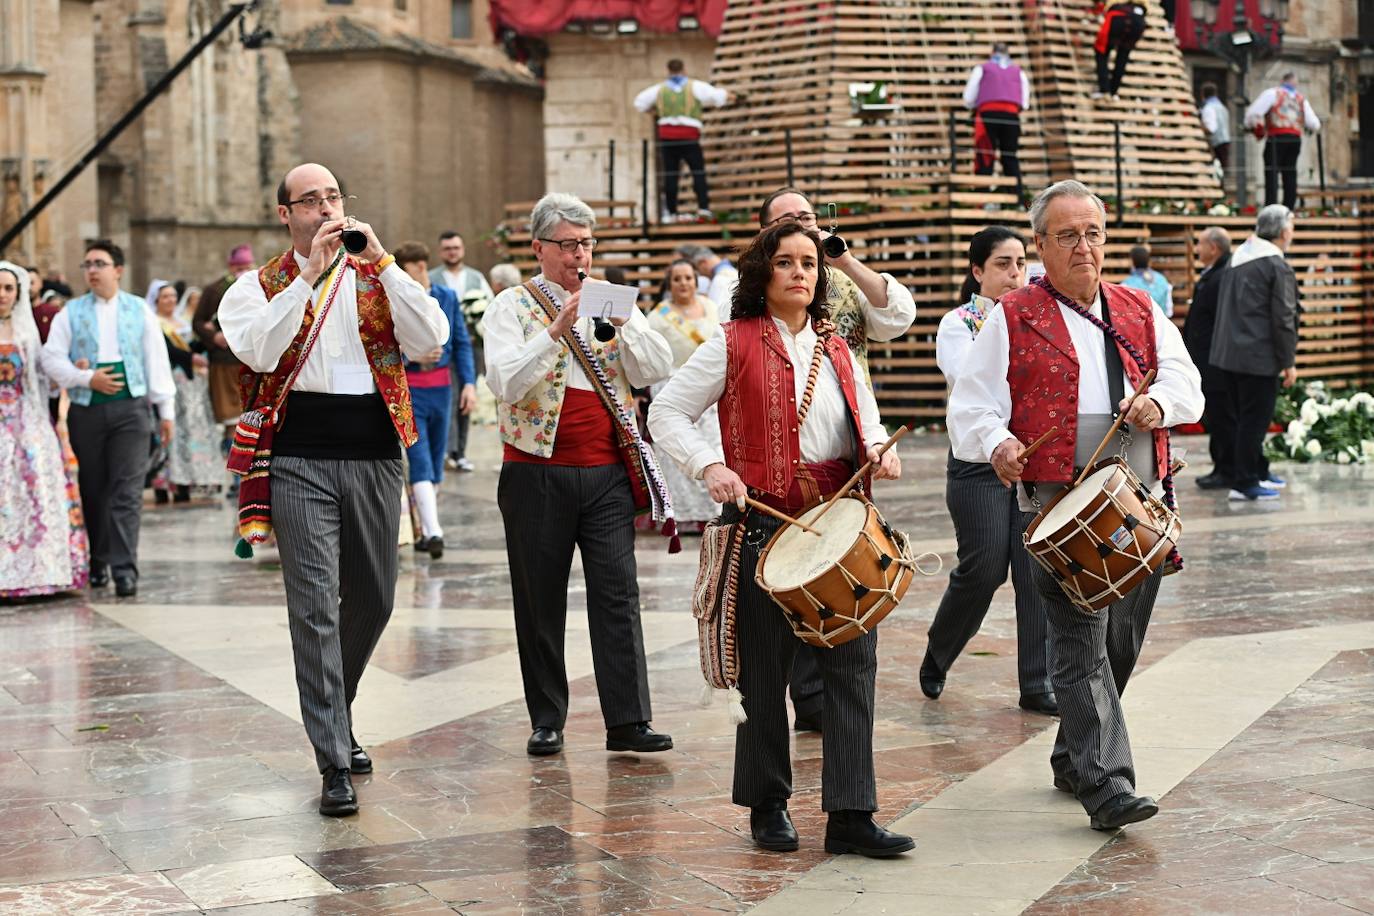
[1116, 372]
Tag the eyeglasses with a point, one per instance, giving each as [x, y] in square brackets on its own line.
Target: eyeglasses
[805, 217]
[95, 265]
[313, 203]
[1095, 238]
[571, 245]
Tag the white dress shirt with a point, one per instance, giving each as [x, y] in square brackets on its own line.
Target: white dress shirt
[980, 405]
[709, 97]
[825, 435]
[157, 369]
[1261, 106]
[880, 324]
[954, 339]
[723, 282]
[259, 331]
[515, 365]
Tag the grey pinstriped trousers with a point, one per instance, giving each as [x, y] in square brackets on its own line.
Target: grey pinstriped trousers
[336, 524]
[766, 646]
[988, 526]
[1093, 656]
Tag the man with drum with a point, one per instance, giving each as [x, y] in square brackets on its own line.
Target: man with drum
[1066, 351]
[781, 331]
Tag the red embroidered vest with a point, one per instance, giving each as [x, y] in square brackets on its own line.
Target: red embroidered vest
[375, 328]
[1043, 372]
[758, 411]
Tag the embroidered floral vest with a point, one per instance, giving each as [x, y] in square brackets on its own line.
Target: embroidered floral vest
[758, 410]
[1044, 372]
[531, 424]
[375, 329]
[131, 315]
[847, 312]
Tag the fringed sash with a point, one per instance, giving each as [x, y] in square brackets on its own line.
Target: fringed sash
[250, 454]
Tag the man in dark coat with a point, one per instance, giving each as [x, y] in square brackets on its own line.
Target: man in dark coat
[1255, 343]
[1214, 249]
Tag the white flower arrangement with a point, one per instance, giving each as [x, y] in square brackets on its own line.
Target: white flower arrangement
[1325, 428]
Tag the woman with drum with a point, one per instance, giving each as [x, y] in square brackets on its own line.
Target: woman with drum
[987, 521]
[790, 398]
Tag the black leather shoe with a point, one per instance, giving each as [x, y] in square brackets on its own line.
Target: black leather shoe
[1124, 809]
[810, 722]
[1213, 481]
[337, 798]
[126, 585]
[771, 827]
[855, 831]
[436, 547]
[544, 741]
[358, 761]
[638, 737]
[1066, 784]
[100, 576]
[1040, 702]
[932, 678]
[422, 545]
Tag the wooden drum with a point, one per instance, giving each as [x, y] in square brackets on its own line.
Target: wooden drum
[840, 585]
[1102, 538]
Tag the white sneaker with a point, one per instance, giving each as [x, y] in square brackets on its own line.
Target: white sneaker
[1095, 95]
[1274, 483]
[465, 464]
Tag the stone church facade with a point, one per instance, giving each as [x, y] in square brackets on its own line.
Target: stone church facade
[430, 131]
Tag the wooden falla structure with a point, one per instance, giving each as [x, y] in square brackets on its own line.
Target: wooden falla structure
[859, 103]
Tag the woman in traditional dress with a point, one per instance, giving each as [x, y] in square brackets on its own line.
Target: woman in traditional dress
[686, 320]
[193, 458]
[42, 537]
[780, 356]
[987, 521]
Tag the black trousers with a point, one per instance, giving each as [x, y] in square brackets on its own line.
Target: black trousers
[673, 154]
[1281, 160]
[1219, 418]
[1251, 400]
[1093, 657]
[988, 527]
[1110, 84]
[1004, 131]
[1223, 153]
[766, 646]
[548, 511]
[111, 442]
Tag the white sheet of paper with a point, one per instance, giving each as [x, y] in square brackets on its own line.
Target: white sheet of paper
[607, 300]
[352, 379]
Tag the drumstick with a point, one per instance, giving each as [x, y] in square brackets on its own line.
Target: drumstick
[1054, 431]
[858, 475]
[1144, 383]
[769, 510]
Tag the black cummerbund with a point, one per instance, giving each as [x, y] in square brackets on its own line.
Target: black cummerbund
[348, 427]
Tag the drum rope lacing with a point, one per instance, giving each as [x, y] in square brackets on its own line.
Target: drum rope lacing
[1082, 526]
[1175, 558]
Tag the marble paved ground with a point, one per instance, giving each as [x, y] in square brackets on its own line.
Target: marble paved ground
[151, 759]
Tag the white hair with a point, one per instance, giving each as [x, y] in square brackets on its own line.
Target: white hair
[507, 275]
[556, 207]
[1065, 188]
[1272, 220]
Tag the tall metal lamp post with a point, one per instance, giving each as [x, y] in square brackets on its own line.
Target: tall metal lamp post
[1239, 47]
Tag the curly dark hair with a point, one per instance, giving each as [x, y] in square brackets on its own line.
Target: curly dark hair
[756, 271]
